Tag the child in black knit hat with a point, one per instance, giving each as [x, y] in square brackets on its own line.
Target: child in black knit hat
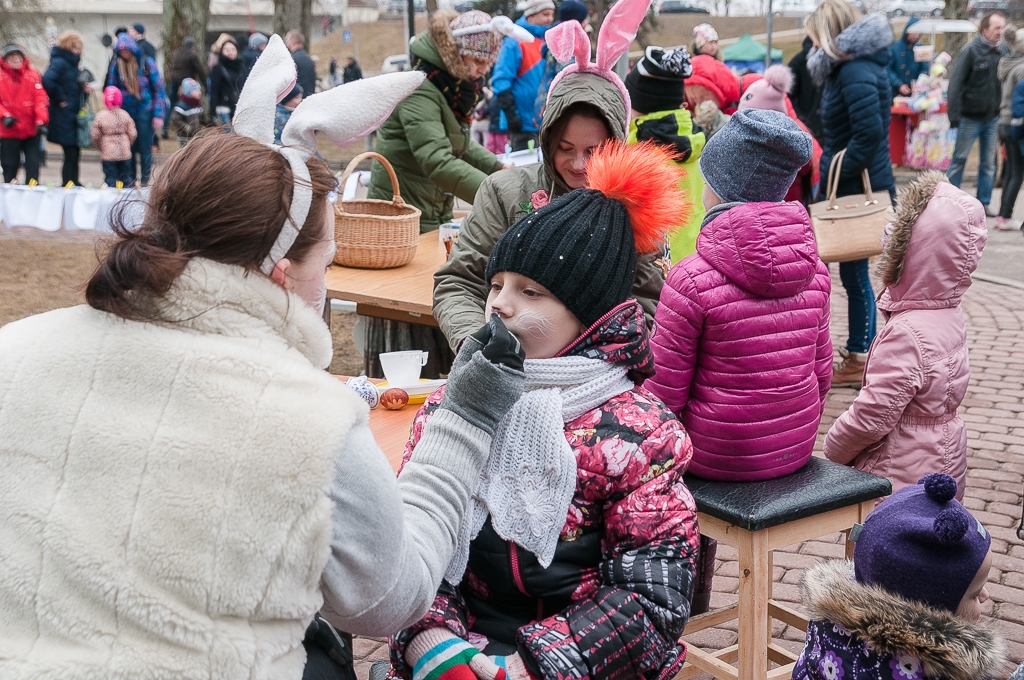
[581, 535]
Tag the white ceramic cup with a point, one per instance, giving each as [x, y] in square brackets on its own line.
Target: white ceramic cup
[402, 369]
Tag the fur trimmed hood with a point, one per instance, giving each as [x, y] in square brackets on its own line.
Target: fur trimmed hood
[440, 32]
[866, 38]
[948, 647]
[932, 247]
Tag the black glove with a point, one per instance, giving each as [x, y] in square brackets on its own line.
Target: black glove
[487, 377]
[507, 103]
[9, 121]
[41, 130]
[499, 345]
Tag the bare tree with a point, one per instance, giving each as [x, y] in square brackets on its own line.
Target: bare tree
[184, 19]
[289, 14]
[19, 18]
[954, 42]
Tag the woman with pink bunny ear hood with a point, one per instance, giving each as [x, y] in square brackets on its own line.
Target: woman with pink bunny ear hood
[587, 104]
[182, 486]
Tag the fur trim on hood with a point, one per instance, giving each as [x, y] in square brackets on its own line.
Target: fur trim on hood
[441, 33]
[911, 203]
[948, 646]
[862, 39]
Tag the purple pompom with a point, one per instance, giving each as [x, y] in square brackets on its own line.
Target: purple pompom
[940, 487]
[951, 524]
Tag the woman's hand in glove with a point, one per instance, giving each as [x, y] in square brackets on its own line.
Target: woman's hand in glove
[487, 377]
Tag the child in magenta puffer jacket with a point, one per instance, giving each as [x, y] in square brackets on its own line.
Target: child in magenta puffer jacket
[904, 423]
[742, 347]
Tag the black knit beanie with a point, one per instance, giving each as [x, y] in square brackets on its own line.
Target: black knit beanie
[580, 247]
[656, 82]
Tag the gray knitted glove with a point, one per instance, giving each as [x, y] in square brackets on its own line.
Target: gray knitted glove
[482, 391]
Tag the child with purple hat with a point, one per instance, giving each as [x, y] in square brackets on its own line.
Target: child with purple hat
[909, 605]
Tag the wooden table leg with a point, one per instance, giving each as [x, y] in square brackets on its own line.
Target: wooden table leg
[865, 509]
[754, 593]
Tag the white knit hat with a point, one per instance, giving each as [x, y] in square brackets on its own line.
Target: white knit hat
[531, 7]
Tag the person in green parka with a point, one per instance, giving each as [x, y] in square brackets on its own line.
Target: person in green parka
[656, 94]
[427, 137]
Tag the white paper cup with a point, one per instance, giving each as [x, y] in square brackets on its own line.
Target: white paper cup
[402, 369]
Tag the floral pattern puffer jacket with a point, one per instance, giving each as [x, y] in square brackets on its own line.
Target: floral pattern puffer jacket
[616, 597]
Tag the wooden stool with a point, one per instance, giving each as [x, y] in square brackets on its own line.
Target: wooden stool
[756, 518]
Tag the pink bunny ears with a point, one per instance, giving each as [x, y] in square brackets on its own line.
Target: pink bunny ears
[568, 40]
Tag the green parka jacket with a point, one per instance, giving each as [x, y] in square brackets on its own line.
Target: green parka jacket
[460, 290]
[431, 150]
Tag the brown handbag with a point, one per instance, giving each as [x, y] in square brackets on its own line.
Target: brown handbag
[849, 227]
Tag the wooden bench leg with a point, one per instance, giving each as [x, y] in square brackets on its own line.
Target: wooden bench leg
[864, 510]
[754, 593]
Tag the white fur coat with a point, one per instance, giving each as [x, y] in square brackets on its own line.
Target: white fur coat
[163, 507]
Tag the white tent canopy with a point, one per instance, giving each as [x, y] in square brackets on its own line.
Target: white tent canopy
[934, 26]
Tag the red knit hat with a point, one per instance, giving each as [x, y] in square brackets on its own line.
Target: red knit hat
[716, 77]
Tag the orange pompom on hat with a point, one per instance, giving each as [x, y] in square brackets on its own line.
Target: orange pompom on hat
[583, 246]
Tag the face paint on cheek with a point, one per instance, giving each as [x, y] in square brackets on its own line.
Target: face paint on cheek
[530, 323]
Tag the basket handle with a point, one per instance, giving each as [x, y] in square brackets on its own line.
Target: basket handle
[396, 196]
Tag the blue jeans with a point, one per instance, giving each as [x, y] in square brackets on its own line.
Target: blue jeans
[970, 130]
[117, 171]
[860, 304]
[143, 148]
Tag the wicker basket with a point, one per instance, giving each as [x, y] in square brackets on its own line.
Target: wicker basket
[374, 234]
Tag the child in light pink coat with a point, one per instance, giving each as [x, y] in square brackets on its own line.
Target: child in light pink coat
[113, 133]
[904, 423]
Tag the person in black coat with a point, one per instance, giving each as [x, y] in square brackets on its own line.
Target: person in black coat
[138, 33]
[257, 43]
[304, 66]
[351, 72]
[805, 95]
[975, 94]
[224, 77]
[62, 87]
[850, 67]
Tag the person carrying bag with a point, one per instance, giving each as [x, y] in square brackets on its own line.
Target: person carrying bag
[851, 227]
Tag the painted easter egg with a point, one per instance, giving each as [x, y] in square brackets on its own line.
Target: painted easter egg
[365, 389]
[394, 399]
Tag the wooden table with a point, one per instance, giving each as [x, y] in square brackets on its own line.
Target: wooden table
[402, 294]
[390, 428]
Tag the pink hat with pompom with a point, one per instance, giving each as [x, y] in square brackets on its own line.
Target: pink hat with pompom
[112, 97]
[769, 92]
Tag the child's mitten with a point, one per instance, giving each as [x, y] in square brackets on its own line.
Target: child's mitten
[439, 654]
[514, 667]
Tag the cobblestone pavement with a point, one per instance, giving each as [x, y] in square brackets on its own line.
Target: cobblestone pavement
[994, 412]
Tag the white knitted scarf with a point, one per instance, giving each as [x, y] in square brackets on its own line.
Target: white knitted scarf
[530, 477]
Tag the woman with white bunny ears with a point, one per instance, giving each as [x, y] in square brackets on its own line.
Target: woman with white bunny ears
[182, 486]
[587, 104]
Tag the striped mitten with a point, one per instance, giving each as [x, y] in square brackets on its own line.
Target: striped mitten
[439, 654]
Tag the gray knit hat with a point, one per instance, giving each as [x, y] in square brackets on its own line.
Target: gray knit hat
[755, 157]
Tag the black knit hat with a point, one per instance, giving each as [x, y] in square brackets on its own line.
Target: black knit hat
[580, 247]
[656, 82]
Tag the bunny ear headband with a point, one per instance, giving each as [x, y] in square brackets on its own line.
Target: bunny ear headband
[618, 31]
[499, 24]
[343, 113]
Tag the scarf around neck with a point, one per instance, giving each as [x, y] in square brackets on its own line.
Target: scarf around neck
[530, 476]
[461, 95]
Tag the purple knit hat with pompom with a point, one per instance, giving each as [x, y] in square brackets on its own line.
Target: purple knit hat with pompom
[922, 544]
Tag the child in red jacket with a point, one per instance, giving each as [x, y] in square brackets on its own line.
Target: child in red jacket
[23, 114]
[576, 556]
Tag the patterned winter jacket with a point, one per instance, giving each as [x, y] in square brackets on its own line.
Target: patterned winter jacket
[152, 100]
[861, 632]
[616, 597]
